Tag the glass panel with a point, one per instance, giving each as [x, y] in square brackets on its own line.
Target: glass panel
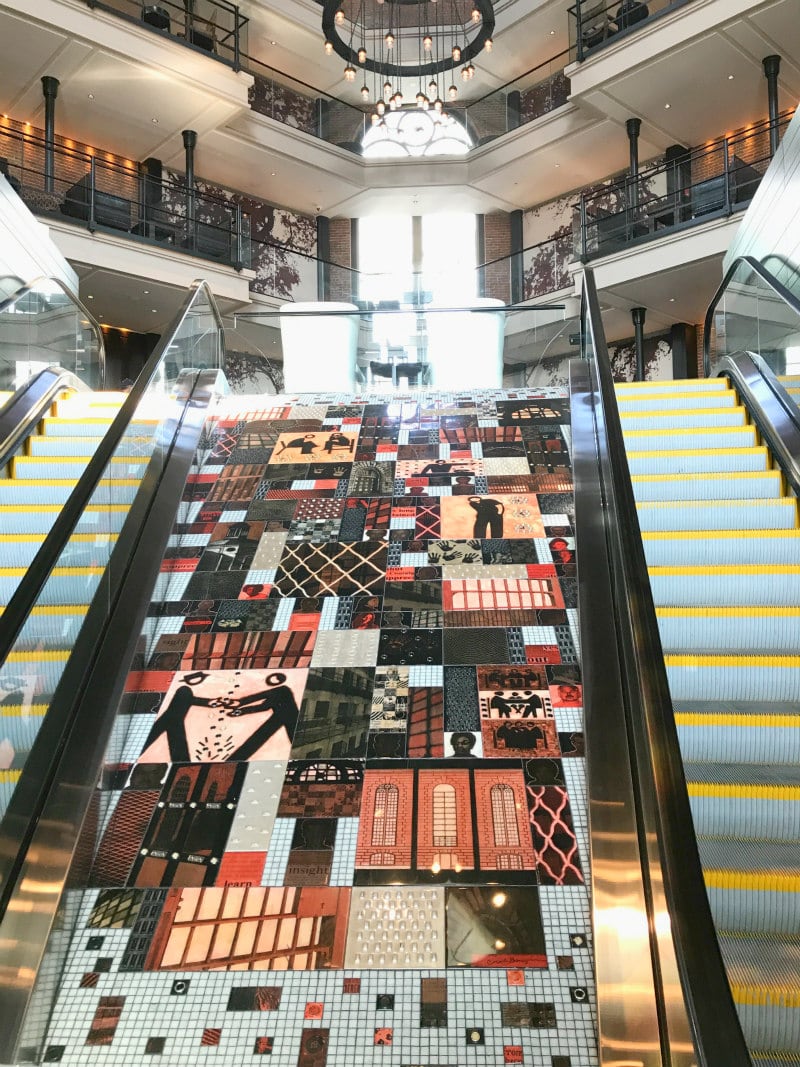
[31, 672]
[751, 317]
[44, 328]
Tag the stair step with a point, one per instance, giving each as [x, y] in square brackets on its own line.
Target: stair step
[753, 678]
[763, 975]
[709, 437]
[731, 629]
[769, 514]
[721, 547]
[744, 485]
[757, 735]
[57, 491]
[727, 586]
[697, 461]
[669, 401]
[669, 385]
[664, 422]
[35, 468]
[34, 519]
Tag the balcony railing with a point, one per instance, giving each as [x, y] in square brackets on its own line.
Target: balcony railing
[691, 188]
[215, 27]
[593, 24]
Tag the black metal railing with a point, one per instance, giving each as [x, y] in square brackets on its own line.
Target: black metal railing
[214, 27]
[596, 23]
[692, 187]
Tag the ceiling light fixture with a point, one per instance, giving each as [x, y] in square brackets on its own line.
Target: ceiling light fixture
[406, 47]
[667, 107]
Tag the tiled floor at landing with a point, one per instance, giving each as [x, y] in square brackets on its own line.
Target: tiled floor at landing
[347, 824]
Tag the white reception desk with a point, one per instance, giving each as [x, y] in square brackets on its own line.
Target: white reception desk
[319, 348]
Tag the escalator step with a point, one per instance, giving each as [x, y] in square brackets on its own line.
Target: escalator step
[57, 491]
[668, 385]
[763, 975]
[727, 586]
[82, 446]
[772, 514]
[677, 548]
[66, 585]
[730, 485]
[732, 629]
[52, 427]
[665, 421]
[695, 461]
[53, 627]
[709, 437]
[754, 901]
[39, 518]
[676, 401]
[33, 468]
[745, 810]
[83, 550]
[768, 678]
[739, 737]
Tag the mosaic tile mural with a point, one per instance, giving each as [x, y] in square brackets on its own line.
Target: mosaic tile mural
[346, 823]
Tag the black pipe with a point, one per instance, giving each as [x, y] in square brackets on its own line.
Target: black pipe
[638, 315]
[772, 64]
[50, 90]
[189, 144]
[633, 126]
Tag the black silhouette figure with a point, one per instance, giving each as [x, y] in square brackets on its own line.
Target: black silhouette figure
[488, 516]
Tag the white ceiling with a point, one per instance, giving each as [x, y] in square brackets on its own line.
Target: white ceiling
[110, 100]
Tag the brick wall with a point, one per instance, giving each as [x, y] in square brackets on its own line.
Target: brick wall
[340, 254]
[497, 243]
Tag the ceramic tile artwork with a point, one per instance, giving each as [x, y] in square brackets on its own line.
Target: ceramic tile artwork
[352, 754]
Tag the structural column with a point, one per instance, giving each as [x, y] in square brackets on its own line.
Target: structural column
[633, 126]
[50, 90]
[189, 144]
[772, 64]
[517, 273]
[638, 315]
[323, 257]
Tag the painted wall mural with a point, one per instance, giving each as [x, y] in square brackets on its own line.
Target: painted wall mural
[282, 243]
[283, 104]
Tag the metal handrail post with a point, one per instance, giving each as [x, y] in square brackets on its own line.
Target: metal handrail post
[92, 221]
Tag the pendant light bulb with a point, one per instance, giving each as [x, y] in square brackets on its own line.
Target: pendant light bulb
[427, 42]
[456, 53]
[362, 55]
[452, 92]
[380, 107]
[349, 73]
[389, 39]
[420, 99]
[475, 15]
[338, 18]
[464, 74]
[328, 48]
[375, 119]
[432, 88]
[438, 104]
[488, 44]
[387, 90]
[365, 93]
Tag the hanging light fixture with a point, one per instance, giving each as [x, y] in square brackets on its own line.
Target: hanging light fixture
[408, 40]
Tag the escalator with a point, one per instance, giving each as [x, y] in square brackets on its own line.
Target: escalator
[722, 545]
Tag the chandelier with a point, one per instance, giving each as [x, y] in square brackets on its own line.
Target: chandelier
[406, 51]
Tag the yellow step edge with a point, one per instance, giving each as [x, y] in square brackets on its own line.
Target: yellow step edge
[703, 535]
[706, 383]
[16, 711]
[743, 791]
[82, 538]
[681, 394]
[729, 569]
[763, 881]
[674, 452]
[722, 718]
[45, 656]
[79, 572]
[778, 996]
[704, 476]
[30, 461]
[58, 508]
[729, 612]
[55, 609]
[751, 430]
[675, 412]
[71, 481]
[784, 501]
[7, 777]
[723, 660]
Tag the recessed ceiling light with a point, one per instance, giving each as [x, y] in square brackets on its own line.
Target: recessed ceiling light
[154, 121]
[90, 297]
[667, 107]
[558, 164]
[730, 77]
[90, 96]
[273, 42]
[146, 292]
[672, 300]
[272, 173]
[552, 33]
[154, 310]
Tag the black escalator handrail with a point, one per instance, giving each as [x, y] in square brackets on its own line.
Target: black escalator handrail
[772, 409]
[708, 1001]
[27, 592]
[94, 326]
[19, 416]
[766, 276]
